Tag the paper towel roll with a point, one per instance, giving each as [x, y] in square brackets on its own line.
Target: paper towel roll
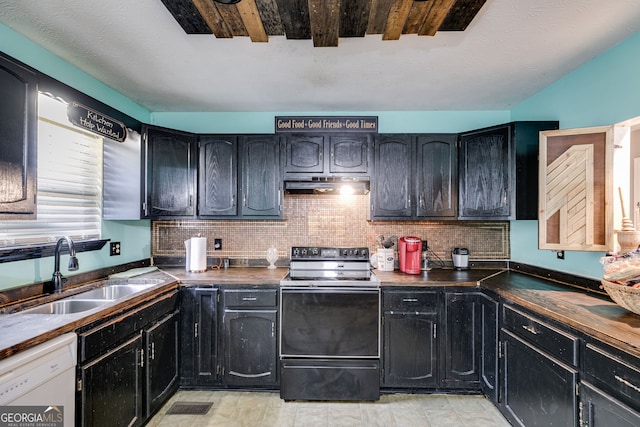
[196, 254]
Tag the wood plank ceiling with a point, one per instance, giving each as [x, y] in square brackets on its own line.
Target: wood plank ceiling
[324, 21]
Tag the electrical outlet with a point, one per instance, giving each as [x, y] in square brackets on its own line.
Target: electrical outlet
[115, 248]
[217, 244]
[560, 254]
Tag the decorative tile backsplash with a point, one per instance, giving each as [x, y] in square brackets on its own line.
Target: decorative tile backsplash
[331, 221]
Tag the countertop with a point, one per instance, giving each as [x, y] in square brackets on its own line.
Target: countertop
[588, 313]
[20, 331]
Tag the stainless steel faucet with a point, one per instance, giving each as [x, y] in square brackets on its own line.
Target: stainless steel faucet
[57, 279]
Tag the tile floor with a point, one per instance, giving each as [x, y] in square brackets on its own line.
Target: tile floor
[257, 409]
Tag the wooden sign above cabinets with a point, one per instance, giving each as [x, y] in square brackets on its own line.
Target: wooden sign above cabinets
[288, 124]
[576, 186]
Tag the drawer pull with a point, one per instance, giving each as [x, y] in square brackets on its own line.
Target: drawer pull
[249, 298]
[530, 329]
[409, 299]
[627, 383]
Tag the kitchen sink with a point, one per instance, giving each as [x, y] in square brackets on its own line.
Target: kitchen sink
[66, 306]
[112, 292]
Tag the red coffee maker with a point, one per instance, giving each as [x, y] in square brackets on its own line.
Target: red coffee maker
[410, 254]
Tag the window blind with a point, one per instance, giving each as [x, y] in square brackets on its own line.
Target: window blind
[69, 194]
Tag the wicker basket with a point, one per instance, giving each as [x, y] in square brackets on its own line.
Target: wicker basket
[624, 296]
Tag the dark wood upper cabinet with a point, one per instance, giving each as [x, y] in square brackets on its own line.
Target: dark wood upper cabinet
[304, 155]
[414, 177]
[391, 188]
[436, 176]
[498, 172]
[171, 164]
[307, 156]
[18, 141]
[261, 177]
[218, 176]
[349, 154]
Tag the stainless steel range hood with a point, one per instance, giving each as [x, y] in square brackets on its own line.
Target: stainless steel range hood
[327, 186]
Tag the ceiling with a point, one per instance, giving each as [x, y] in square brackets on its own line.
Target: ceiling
[508, 51]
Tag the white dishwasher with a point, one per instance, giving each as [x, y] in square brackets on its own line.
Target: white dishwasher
[42, 377]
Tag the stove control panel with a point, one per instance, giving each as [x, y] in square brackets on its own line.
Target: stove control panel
[316, 253]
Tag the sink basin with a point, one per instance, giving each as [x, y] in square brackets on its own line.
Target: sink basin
[66, 306]
[112, 292]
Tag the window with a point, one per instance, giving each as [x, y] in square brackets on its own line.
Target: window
[69, 194]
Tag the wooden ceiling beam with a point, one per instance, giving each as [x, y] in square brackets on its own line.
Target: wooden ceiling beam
[252, 21]
[378, 16]
[325, 22]
[397, 17]
[435, 17]
[461, 15]
[270, 17]
[231, 16]
[295, 18]
[187, 15]
[417, 15]
[213, 18]
[354, 17]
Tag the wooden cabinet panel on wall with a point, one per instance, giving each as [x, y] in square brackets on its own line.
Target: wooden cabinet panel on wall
[261, 177]
[18, 141]
[349, 154]
[170, 175]
[307, 156]
[391, 187]
[303, 155]
[576, 189]
[218, 176]
[497, 169]
[414, 177]
[436, 176]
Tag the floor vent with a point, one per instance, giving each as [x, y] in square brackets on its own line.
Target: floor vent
[189, 408]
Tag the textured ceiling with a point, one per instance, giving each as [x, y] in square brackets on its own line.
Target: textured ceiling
[511, 49]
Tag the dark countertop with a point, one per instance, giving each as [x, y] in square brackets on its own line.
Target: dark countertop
[20, 331]
[591, 314]
[229, 276]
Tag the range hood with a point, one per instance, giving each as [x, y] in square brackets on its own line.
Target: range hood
[327, 186]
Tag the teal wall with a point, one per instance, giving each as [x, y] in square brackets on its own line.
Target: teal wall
[388, 121]
[135, 236]
[604, 91]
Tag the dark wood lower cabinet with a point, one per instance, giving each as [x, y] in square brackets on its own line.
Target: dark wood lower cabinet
[111, 394]
[251, 348]
[128, 365]
[599, 409]
[161, 367]
[199, 337]
[537, 390]
[410, 350]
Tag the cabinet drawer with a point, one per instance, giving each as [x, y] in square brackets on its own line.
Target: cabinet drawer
[410, 300]
[618, 377]
[97, 340]
[560, 344]
[250, 298]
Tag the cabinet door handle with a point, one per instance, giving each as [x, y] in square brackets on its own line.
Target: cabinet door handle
[195, 330]
[530, 329]
[249, 298]
[627, 383]
[142, 357]
[434, 330]
[153, 351]
[409, 299]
